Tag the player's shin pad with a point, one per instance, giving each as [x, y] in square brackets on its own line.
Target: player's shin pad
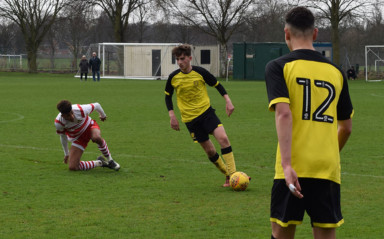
[218, 162]
[230, 162]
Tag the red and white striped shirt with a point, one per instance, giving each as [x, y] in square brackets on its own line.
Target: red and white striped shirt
[74, 129]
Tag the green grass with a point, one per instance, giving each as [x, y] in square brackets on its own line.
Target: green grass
[167, 188]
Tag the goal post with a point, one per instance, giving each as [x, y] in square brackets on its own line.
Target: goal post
[11, 61]
[374, 63]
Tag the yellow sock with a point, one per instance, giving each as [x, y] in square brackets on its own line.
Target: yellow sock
[218, 162]
[229, 159]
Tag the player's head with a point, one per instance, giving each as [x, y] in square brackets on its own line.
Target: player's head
[184, 49]
[300, 19]
[65, 108]
[300, 31]
[183, 57]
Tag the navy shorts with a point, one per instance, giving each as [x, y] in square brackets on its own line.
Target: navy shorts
[202, 126]
[321, 201]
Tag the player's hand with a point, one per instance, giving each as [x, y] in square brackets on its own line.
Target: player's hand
[66, 159]
[292, 182]
[103, 118]
[175, 124]
[229, 108]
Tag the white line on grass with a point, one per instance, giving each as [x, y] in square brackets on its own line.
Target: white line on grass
[141, 156]
[362, 175]
[17, 117]
[57, 150]
[377, 95]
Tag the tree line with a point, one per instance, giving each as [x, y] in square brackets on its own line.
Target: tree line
[27, 25]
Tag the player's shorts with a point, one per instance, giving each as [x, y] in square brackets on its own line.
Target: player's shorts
[85, 137]
[321, 201]
[203, 125]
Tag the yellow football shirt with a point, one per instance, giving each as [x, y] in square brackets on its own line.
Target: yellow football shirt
[317, 93]
[191, 91]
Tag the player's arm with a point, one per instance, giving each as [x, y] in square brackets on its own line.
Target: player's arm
[229, 108]
[283, 118]
[64, 144]
[345, 113]
[344, 130]
[212, 81]
[100, 110]
[168, 102]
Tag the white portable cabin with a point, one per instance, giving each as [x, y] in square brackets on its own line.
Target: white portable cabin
[154, 60]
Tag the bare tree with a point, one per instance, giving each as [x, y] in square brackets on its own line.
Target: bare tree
[119, 12]
[74, 28]
[267, 13]
[141, 17]
[337, 12]
[219, 19]
[34, 17]
[7, 37]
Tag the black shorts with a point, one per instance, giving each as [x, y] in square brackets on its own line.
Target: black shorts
[321, 201]
[203, 125]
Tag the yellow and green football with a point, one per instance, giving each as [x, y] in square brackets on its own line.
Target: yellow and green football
[239, 181]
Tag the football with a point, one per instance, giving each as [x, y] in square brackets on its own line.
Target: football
[239, 181]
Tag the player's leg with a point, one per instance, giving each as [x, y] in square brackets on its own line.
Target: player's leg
[103, 147]
[93, 75]
[98, 75]
[81, 76]
[74, 163]
[324, 206]
[324, 233]
[85, 76]
[226, 149]
[213, 156]
[280, 232]
[286, 210]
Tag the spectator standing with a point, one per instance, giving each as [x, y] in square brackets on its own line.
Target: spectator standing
[94, 65]
[84, 65]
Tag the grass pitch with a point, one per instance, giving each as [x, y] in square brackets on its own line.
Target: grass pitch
[166, 188]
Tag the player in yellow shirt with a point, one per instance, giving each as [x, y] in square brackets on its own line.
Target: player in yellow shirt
[193, 101]
[313, 112]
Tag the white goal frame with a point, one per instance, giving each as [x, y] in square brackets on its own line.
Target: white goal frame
[368, 50]
[16, 56]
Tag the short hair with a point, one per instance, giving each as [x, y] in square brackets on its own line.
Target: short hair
[183, 49]
[300, 18]
[64, 106]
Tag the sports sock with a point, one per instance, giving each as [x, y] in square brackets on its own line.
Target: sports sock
[87, 165]
[229, 159]
[104, 149]
[218, 162]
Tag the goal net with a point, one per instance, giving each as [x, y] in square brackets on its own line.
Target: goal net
[374, 63]
[11, 62]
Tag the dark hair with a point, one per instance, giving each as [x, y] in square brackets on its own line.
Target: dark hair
[300, 18]
[64, 106]
[184, 49]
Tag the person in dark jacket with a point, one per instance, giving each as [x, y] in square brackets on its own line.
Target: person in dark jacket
[94, 65]
[84, 65]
